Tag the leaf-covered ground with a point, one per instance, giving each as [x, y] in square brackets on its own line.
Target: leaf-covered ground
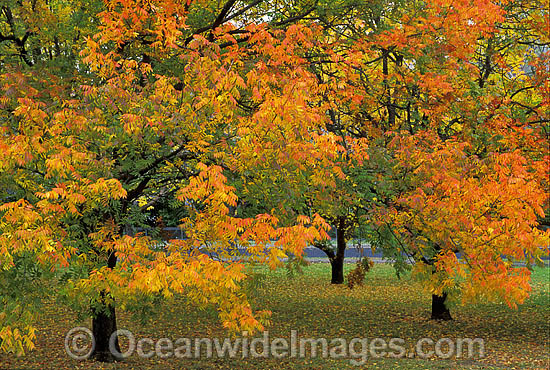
[384, 307]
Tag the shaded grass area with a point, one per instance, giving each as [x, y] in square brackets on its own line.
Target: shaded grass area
[385, 307]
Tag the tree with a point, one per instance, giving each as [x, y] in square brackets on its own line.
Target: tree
[435, 88]
[152, 106]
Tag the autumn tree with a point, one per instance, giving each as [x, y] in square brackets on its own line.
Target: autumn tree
[157, 106]
[456, 132]
[327, 182]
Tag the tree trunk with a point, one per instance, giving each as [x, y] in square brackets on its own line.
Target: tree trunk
[439, 309]
[337, 262]
[104, 325]
[337, 265]
[336, 259]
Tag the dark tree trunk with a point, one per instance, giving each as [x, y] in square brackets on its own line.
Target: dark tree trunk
[337, 265]
[104, 325]
[439, 309]
[337, 262]
[336, 259]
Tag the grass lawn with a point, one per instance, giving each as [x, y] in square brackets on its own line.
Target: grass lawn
[384, 307]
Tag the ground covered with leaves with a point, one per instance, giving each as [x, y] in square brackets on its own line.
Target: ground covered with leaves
[384, 307]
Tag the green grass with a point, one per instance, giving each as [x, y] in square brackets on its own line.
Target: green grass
[384, 307]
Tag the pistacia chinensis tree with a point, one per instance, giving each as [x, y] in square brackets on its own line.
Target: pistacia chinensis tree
[139, 102]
